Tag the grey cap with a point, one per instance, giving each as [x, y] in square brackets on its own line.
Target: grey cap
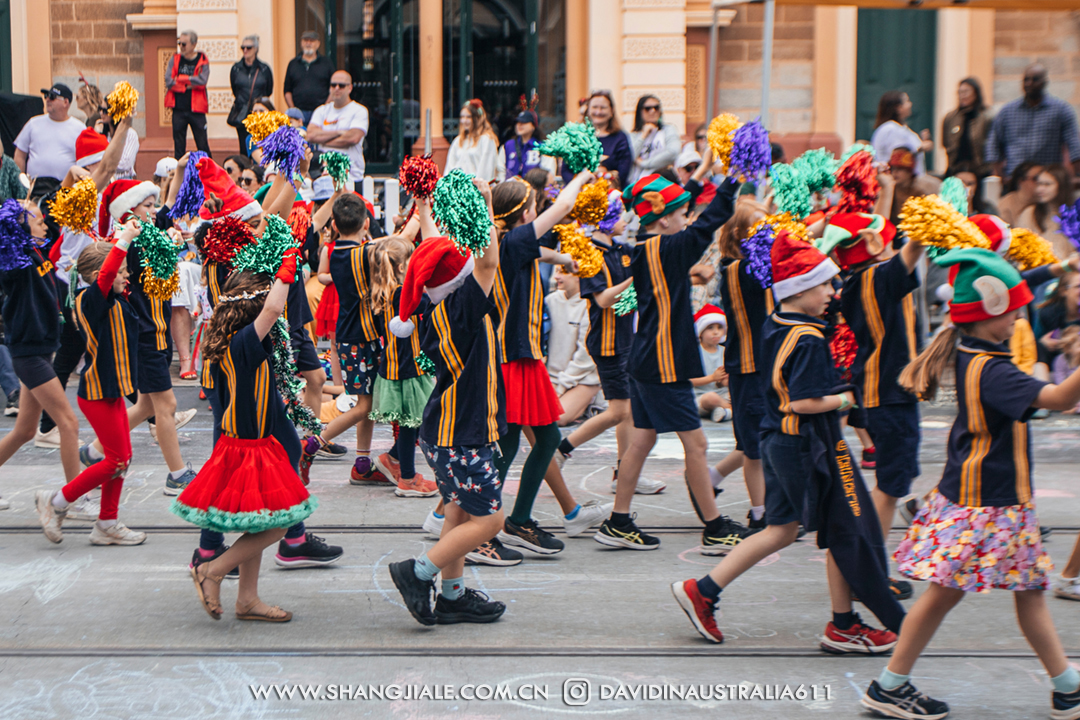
[322, 187]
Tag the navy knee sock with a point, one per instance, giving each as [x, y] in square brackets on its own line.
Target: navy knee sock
[210, 540]
[295, 531]
[406, 451]
[532, 473]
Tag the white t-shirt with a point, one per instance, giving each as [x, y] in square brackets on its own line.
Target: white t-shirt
[352, 116]
[49, 145]
[892, 135]
[480, 159]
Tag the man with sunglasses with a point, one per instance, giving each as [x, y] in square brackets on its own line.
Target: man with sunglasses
[341, 125]
[186, 76]
[45, 146]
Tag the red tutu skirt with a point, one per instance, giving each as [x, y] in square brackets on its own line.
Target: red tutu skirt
[327, 312]
[530, 397]
[245, 486]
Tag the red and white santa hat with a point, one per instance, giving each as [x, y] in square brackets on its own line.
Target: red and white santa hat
[119, 198]
[798, 266]
[90, 147]
[237, 203]
[708, 315]
[437, 268]
[996, 231]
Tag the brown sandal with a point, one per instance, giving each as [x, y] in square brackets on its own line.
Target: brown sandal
[199, 579]
[248, 615]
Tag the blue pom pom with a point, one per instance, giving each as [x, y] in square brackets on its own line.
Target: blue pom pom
[758, 251]
[190, 197]
[284, 149]
[1069, 218]
[15, 241]
[751, 153]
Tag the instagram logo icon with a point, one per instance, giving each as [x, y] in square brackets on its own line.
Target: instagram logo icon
[576, 692]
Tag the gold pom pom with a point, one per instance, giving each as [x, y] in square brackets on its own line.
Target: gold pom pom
[159, 289]
[721, 137]
[1029, 250]
[781, 222]
[122, 101]
[572, 242]
[932, 221]
[76, 207]
[260, 125]
[592, 203]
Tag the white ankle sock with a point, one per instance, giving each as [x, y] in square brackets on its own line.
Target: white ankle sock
[757, 511]
[715, 477]
[59, 501]
[106, 524]
[94, 454]
[177, 474]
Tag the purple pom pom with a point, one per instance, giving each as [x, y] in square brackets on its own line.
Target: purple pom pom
[758, 251]
[751, 154]
[614, 214]
[190, 197]
[1069, 218]
[284, 149]
[15, 241]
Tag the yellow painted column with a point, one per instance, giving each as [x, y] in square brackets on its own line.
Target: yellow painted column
[431, 79]
[577, 56]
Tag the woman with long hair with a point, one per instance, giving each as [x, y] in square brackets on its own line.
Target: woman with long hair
[1020, 191]
[1053, 188]
[964, 130]
[891, 130]
[656, 145]
[618, 155]
[475, 150]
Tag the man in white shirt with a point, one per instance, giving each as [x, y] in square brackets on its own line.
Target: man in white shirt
[341, 125]
[46, 145]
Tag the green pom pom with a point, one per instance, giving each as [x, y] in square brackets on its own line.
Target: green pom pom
[159, 252]
[337, 166]
[626, 301]
[423, 362]
[857, 147]
[790, 191]
[289, 385]
[264, 256]
[576, 144]
[818, 169]
[462, 212]
[953, 192]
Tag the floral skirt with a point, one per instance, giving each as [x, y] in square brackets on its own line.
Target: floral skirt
[975, 548]
[401, 401]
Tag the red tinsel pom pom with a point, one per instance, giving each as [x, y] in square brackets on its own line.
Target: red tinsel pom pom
[418, 175]
[857, 179]
[299, 222]
[843, 348]
[225, 237]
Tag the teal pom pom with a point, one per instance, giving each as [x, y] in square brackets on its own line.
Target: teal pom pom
[626, 301]
[576, 144]
[462, 212]
[790, 191]
[265, 255]
[856, 148]
[337, 166]
[424, 363]
[818, 168]
[953, 192]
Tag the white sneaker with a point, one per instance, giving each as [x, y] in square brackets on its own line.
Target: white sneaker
[183, 417]
[433, 525]
[591, 514]
[118, 534]
[645, 486]
[1068, 588]
[51, 518]
[4, 504]
[85, 508]
[49, 440]
[560, 459]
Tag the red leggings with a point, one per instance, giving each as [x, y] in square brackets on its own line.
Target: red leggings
[110, 422]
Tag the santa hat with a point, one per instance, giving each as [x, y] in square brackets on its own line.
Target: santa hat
[437, 268]
[996, 231]
[708, 315]
[235, 201]
[842, 235]
[118, 199]
[985, 285]
[90, 147]
[798, 266]
[652, 197]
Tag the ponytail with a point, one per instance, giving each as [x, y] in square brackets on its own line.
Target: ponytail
[922, 376]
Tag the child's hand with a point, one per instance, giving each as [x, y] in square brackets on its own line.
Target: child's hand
[128, 232]
[483, 186]
[850, 397]
[719, 376]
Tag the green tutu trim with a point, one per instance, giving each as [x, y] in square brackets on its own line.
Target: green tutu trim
[249, 522]
[401, 401]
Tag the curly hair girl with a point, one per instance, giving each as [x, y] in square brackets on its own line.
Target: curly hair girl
[242, 299]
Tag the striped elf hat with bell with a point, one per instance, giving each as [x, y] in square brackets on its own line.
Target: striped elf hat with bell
[652, 197]
[985, 285]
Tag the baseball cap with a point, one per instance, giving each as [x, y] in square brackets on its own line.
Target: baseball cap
[58, 90]
[164, 166]
[309, 35]
[687, 157]
[294, 114]
[322, 188]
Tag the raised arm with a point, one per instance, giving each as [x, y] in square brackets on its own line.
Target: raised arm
[563, 204]
[279, 292]
[103, 173]
[487, 264]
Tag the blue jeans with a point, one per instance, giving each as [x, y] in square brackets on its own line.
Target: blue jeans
[9, 382]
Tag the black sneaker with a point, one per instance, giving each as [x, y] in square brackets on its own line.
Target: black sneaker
[1066, 706]
[628, 536]
[472, 607]
[197, 560]
[331, 451]
[494, 553]
[901, 589]
[903, 702]
[12, 407]
[313, 552]
[531, 537]
[754, 526]
[723, 540]
[415, 592]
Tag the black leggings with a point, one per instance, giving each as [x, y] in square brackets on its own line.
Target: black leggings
[536, 465]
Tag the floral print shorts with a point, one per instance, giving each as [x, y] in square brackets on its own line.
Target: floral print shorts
[466, 476]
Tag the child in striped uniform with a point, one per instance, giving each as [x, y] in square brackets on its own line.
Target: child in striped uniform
[978, 529]
[111, 329]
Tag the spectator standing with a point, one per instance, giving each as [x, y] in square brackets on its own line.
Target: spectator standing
[185, 93]
[618, 152]
[307, 79]
[45, 146]
[656, 145]
[965, 129]
[476, 149]
[250, 79]
[891, 130]
[341, 125]
[1033, 128]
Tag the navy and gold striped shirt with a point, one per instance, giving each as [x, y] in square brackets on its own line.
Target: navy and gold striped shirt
[746, 305]
[519, 295]
[111, 329]
[467, 406]
[245, 386]
[665, 346]
[797, 366]
[398, 360]
[350, 266]
[609, 334]
[989, 455]
[155, 316]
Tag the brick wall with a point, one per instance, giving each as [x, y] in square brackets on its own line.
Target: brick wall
[1021, 38]
[94, 38]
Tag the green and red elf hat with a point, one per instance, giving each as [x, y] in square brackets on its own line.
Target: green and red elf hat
[985, 285]
[847, 233]
[652, 197]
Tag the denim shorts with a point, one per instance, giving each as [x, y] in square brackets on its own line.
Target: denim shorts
[466, 476]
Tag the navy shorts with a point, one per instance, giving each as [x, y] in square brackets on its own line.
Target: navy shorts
[360, 366]
[788, 474]
[153, 368]
[664, 407]
[304, 351]
[33, 370]
[895, 432]
[466, 476]
[747, 412]
[614, 377]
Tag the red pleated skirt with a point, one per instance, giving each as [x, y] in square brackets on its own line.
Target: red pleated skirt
[327, 312]
[245, 486]
[530, 397]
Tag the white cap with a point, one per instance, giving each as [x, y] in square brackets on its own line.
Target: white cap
[687, 156]
[164, 166]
